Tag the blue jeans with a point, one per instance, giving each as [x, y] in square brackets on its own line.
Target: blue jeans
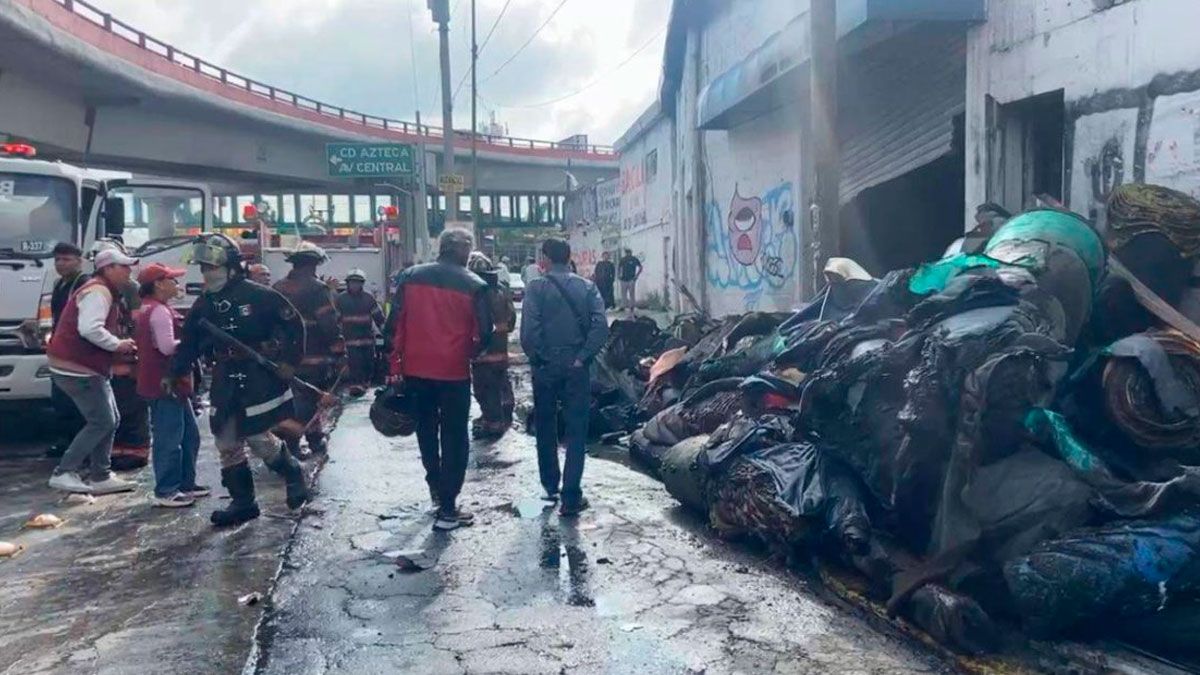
[554, 384]
[175, 442]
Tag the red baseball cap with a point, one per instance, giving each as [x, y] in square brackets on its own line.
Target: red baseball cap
[157, 272]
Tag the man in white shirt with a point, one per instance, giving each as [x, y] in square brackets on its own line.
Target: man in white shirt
[81, 355]
[532, 271]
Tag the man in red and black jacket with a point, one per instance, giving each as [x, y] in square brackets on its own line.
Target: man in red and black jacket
[441, 320]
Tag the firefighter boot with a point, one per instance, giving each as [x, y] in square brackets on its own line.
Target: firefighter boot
[317, 443]
[293, 472]
[240, 483]
[293, 447]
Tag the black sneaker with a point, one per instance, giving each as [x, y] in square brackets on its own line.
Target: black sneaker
[452, 520]
[575, 508]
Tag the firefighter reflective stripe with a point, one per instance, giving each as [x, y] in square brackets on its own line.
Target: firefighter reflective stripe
[356, 318]
[318, 360]
[364, 342]
[268, 406]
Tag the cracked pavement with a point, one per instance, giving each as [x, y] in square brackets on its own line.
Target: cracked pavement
[634, 585]
[123, 587]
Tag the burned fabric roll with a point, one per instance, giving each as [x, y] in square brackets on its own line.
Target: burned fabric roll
[1153, 400]
[1137, 209]
[1096, 577]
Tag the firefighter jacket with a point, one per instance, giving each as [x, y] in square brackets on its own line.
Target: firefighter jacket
[504, 318]
[324, 347]
[244, 391]
[360, 316]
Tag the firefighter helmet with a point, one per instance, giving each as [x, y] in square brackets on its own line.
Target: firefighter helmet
[356, 274]
[307, 252]
[478, 262]
[217, 250]
[392, 412]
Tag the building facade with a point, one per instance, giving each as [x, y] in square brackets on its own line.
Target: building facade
[942, 105]
[1072, 99]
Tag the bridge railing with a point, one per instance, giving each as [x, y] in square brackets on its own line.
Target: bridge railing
[229, 78]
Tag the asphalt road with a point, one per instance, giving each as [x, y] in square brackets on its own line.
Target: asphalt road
[635, 585]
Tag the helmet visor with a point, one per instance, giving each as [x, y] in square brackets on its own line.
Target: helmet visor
[205, 253]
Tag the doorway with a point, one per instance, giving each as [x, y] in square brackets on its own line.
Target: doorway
[910, 219]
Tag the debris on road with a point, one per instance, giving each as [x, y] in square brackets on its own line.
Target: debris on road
[9, 549]
[250, 599]
[993, 441]
[44, 521]
[79, 499]
[414, 560]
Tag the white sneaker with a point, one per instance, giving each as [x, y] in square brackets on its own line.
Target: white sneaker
[175, 501]
[69, 482]
[112, 485]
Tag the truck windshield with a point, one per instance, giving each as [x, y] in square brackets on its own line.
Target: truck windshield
[36, 212]
[156, 213]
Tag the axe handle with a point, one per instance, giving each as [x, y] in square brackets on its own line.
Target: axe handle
[257, 357]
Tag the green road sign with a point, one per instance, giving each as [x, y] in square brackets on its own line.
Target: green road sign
[367, 160]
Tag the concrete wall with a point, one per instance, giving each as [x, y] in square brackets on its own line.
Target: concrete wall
[737, 187]
[1130, 80]
[647, 223]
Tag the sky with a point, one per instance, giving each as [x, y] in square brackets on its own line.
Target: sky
[592, 69]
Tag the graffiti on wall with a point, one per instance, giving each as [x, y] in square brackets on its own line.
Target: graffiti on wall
[753, 245]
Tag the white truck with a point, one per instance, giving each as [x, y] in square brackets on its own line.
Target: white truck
[43, 203]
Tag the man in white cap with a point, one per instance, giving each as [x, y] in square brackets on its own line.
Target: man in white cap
[81, 354]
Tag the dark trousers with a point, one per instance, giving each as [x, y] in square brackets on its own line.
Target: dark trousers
[494, 392]
[361, 366]
[570, 387]
[442, 412]
[131, 443]
[606, 292]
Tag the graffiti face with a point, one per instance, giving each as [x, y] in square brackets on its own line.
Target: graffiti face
[745, 228]
[753, 247]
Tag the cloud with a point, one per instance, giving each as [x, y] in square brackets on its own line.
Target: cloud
[357, 54]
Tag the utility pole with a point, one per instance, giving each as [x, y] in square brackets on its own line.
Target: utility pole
[441, 15]
[474, 126]
[826, 153]
[420, 214]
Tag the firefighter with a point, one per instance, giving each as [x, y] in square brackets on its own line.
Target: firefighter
[489, 370]
[361, 315]
[248, 399]
[324, 349]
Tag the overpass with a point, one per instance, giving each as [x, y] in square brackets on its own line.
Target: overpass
[88, 88]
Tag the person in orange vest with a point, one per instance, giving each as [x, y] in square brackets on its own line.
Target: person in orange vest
[361, 315]
[489, 370]
[81, 354]
[324, 347]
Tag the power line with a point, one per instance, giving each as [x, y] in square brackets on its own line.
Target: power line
[595, 81]
[412, 48]
[495, 23]
[527, 42]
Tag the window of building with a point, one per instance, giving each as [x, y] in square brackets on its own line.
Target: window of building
[650, 169]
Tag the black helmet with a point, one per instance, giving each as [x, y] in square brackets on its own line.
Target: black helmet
[392, 412]
[217, 250]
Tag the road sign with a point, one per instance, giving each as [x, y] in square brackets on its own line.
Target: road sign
[451, 182]
[369, 160]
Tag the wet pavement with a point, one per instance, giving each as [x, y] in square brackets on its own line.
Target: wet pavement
[122, 587]
[635, 585]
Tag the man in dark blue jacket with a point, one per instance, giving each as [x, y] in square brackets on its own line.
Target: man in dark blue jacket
[562, 329]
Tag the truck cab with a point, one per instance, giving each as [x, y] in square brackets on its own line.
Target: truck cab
[43, 203]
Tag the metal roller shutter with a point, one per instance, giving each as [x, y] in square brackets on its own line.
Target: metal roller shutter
[897, 103]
